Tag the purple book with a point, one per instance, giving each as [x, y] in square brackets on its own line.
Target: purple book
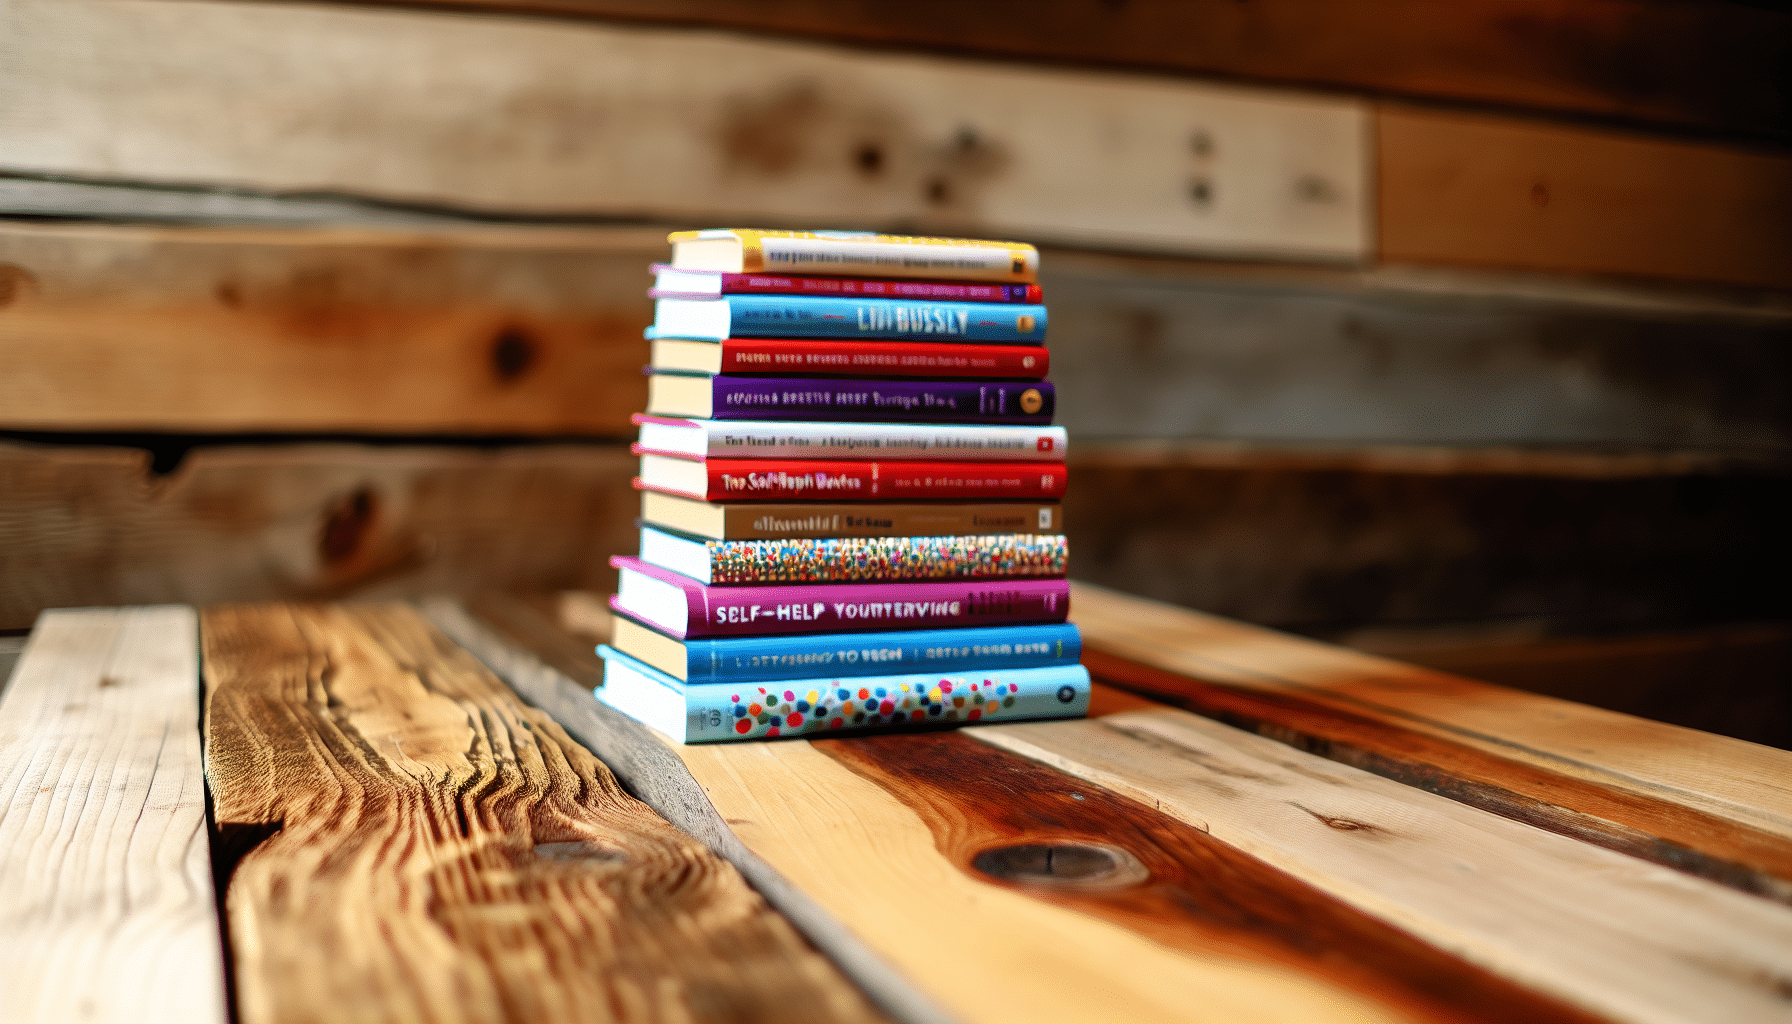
[726, 397]
[685, 608]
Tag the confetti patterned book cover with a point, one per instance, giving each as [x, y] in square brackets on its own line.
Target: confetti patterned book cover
[858, 559]
[817, 706]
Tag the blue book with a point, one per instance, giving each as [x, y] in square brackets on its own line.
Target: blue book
[715, 713]
[800, 316]
[754, 659]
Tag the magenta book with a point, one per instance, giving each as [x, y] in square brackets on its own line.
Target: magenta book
[682, 607]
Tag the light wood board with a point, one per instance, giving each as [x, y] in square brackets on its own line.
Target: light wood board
[1709, 804]
[1609, 933]
[526, 116]
[106, 908]
[408, 841]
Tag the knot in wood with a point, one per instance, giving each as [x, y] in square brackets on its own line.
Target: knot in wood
[1071, 865]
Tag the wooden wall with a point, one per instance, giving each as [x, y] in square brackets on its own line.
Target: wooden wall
[1457, 331]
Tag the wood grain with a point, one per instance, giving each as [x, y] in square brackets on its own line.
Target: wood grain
[471, 331]
[458, 855]
[522, 116]
[107, 912]
[1608, 933]
[94, 526]
[1709, 68]
[1708, 805]
[1455, 188]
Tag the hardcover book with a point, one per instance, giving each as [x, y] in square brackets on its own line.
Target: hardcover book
[846, 357]
[853, 254]
[807, 707]
[671, 283]
[857, 559]
[825, 398]
[696, 518]
[819, 480]
[682, 607]
[781, 316]
[780, 439]
[756, 659]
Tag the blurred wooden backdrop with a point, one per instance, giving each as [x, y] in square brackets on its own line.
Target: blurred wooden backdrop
[1460, 332]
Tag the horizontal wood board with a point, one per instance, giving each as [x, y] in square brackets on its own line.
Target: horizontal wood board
[526, 116]
[95, 526]
[107, 912]
[386, 799]
[1712, 806]
[1706, 68]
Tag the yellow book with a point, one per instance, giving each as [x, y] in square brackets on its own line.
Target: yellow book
[853, 254]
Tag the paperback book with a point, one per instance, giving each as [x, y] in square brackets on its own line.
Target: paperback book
[682, 607]
[809, 706]
[827, 480]
[857, 559]
[785, 439]
[778, 316]
[753, 521]
[755, 659]
[844, 356]
[672, 283]
[827, 399]
[853, 254]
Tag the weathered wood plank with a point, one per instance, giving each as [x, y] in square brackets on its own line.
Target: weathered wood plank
[1610, 934]
[458, 855]
[92, 526]
[1709, 805]
[1453, 188]
[469, 331]
[1707, 67]
[525, 116]
[107, 911]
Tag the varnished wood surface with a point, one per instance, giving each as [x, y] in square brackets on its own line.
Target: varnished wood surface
[417, 844]
[1709, 805]
[106, 904]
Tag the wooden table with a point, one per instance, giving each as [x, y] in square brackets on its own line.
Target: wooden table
[419, 812]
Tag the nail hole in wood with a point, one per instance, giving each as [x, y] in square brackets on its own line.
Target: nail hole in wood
[346, 525]
[512, 352]
[1201, 143]
[1200, 191]
[938, 191]
[1073, 865]
[870, 158]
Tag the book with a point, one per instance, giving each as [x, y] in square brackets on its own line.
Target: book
[697, 518]
[671, 283]
[857, 559]
[829, 480]
[825, 398]
[711, 713]
[756, 659]
[779, 316]
[847, 357]
[682, 607]
[853, 254]
[782, 439]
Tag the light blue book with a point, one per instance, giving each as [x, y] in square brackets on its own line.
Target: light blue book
[714, 713]
[753, 659]
[800, 316]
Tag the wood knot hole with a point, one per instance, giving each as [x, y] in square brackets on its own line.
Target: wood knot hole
[512, 352]
[346, 525]
[15, 281]
[1071, 865]
[870, 158]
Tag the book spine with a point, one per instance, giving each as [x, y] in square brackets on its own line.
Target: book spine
[937, 291]
[777, 439]
[884, 358]
[809, 398]
[780, 315]
[740, 562]
[868, 255]
[787, 479]
[770, 522]
[852, 655]
[809, 707]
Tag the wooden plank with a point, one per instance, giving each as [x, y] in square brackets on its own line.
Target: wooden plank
[916, 813]
[107, 913]
[1706, 67]
[524, 116]
[1462, 189]
[1709, 805]
[472, 331]
[1607, 933]
[94, 526]
[457, 853]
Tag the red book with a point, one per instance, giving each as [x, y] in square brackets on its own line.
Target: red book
[813, 480]
[701, 284]
[849, 358]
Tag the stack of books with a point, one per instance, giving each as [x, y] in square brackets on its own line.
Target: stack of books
[850, 493]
